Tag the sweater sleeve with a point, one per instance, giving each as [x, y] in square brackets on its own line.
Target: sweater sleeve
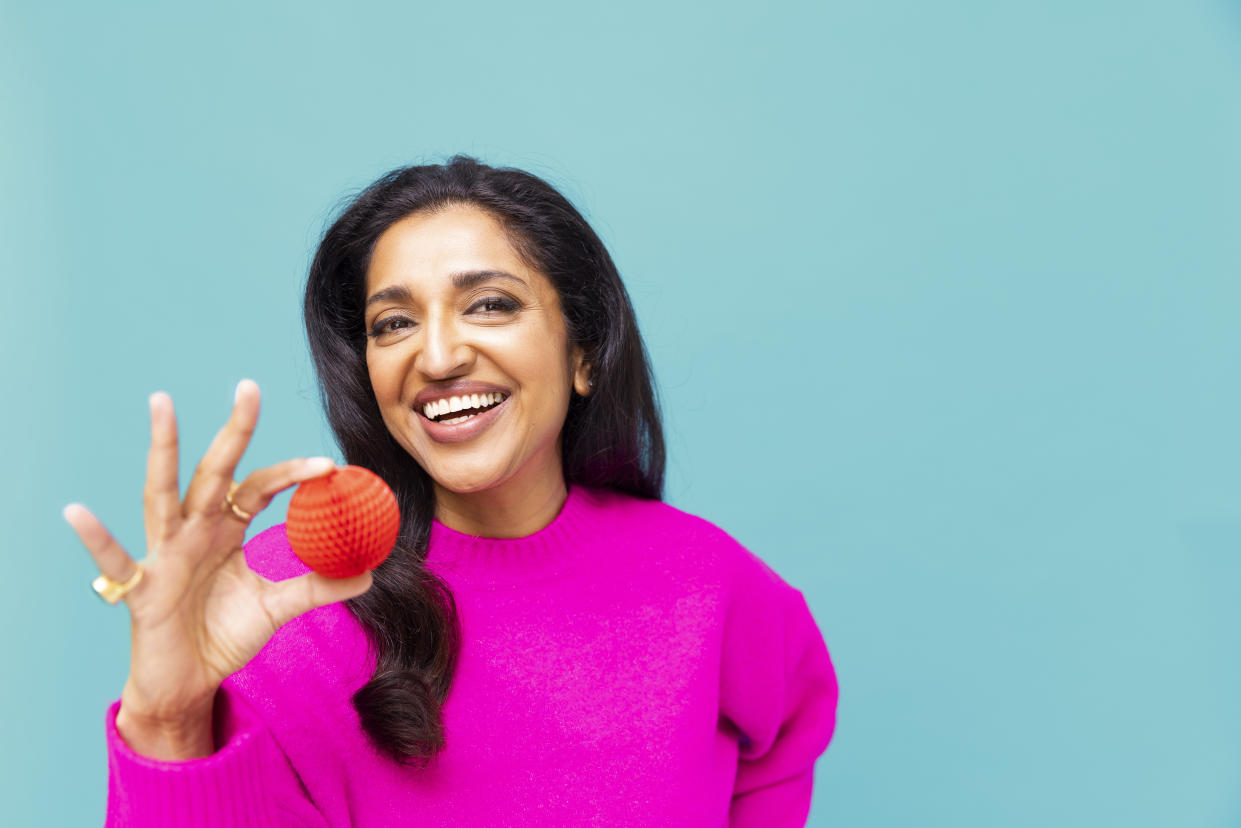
[778, 687]
[248, 781]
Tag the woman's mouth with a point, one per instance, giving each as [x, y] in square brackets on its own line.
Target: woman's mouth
[453, 410]
[453, 419]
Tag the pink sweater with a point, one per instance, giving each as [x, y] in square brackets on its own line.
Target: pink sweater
[628, 664]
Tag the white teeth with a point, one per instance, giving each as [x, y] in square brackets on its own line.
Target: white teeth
[439, 408]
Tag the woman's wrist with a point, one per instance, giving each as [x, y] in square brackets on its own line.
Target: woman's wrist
[168, 739]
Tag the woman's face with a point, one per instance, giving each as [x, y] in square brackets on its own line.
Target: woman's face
[455, 320]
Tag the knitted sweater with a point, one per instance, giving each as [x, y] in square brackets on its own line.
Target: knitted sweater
[628, 664]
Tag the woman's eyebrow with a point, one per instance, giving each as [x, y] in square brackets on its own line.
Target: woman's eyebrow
[470, 278]
[396, 293]
[463, 280]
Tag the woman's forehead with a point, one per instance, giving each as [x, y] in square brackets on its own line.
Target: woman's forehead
[428, 249]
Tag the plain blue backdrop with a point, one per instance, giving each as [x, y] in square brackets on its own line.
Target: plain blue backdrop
[942, 298]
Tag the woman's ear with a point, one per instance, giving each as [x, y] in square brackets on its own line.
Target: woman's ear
[583, 382]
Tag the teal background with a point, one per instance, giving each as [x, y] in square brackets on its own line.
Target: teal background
[943, 300]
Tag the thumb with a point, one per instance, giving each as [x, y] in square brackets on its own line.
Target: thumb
[295, 596]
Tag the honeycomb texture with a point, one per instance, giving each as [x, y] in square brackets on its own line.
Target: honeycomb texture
[343, 523]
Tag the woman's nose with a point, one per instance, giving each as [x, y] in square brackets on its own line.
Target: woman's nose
[444, 352]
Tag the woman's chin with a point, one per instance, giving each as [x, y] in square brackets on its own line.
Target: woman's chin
[466, 483]
[499, 474]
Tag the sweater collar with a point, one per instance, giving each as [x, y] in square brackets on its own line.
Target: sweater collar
[556, 548]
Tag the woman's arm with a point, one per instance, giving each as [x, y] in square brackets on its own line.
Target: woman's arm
[778, 686]
[247, 780]
[198, 615]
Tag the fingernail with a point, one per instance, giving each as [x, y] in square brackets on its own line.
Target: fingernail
[320, 464]
[237, 393]
[65, 512]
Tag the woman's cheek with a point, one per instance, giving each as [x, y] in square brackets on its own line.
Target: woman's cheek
[385, 378]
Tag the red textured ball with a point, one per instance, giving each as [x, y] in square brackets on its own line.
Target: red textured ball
[343, 523]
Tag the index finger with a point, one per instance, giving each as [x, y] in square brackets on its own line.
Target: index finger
[162, 496]
[215, 471]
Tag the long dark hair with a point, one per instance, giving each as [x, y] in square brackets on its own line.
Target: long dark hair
[612, 438]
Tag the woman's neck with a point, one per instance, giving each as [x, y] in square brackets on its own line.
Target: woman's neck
[511, 511]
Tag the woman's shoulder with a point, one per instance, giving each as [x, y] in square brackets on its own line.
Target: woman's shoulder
[651, 515]
[332, 625]
[325, 646]
[660, 523]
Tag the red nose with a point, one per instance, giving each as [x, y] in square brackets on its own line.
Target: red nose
[343, 523]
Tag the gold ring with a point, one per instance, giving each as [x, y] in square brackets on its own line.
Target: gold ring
[237, 510]
[113, 591]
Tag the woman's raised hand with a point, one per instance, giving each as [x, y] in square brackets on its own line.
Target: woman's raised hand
[199, 613]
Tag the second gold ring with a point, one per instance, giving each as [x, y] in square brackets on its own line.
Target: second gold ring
[241, 513]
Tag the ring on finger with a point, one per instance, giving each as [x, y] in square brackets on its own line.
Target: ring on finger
[113, 591]
[241, 513]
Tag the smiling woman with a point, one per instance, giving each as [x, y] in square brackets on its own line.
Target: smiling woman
[453, 313]
[547, 644]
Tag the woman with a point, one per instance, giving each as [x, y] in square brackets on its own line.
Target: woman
[548, 643]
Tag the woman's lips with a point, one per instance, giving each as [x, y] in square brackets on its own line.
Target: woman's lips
[468, 430]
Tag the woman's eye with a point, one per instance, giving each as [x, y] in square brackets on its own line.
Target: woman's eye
[389, 325]
[495, 304]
